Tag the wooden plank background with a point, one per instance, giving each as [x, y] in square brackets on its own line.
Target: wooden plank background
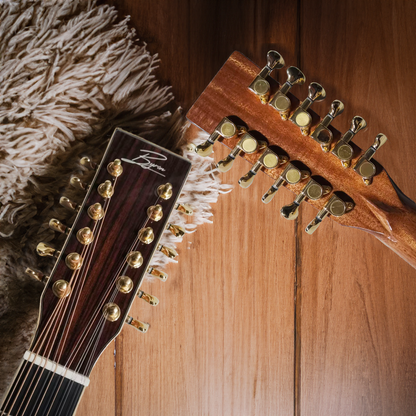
[259, 318]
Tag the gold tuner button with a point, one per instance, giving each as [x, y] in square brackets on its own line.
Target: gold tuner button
[88, 163]
[73, 261]
[312, 190]
[301, 117]
[77, 183]
[140, 326]
[106, 189]
[124, 284]
[85, 236]
[37, 275]
[291, 175]
[68, 204]
[226, 129]
[247, 144]
[167, 251]
[184, 208]
[61, 289]
[157, 273]
[364, 167]
[95, 211]
[165, 191]
[155, 212]
[335, 206]
[114, 168]
[260, 86]
[134, 259]
[152, 300]
[343, 150]
[322, 134]
[146, 235]
[176, 230]
[280, 101]
[44, 250]
[267, 160]
[111, 312]
[56, 225]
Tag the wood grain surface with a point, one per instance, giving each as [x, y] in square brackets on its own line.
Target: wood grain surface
[259, 318]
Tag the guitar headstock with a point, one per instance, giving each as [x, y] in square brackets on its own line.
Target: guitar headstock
[108, 251]
[260, 120]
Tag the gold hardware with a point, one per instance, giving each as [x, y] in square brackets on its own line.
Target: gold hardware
[267, 160]
[56, 225]
[301, 117]
[335, 206]
[61, 289]
[85, 236]
[106, 189]
[111, 312]
[165, 191]
[167, 251]
[140, 326]
[184, 208]
[114, 168]
[291, 175]
[281, 102]
[73, 261]
[247, 144]
[68, 204]
[176, 230]
[36, 275]
[78, 184]
[322, 134]
[44, 249]
[155, 212]
[146, 235]
[260, 86]
[157, 273]
[95, 211]
[364, 167]
[152, 300]
[226, 129]
[134, 259]
[88, 163]
[343, 149]
[124, 284]
[312, 190]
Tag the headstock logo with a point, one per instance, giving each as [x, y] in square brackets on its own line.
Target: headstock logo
[147, 161]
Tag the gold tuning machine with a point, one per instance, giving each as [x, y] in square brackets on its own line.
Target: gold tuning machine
[61, 288]
[146, 235]
[184, 208]
[37, 275]
[165, 191]
[167, 251]
[322, 134]
[56, 225]
[335, 206]
[44, 250]
[157, 273]
[73, 261]
[301, 117]
[267, 160]
[226, 128]
[106, 189]
[68, 204]
[114, 168]
[140, 326]
[85, 236]
[150, 299]
[260, 86]
[134, 259]
[77, 183]
[247, 144]
[343, 149]
[88, 163]
[364, 167]
[95, 211]
[291, 175]
[176, 230]
[280, 101]
[312, 190]
[155, 212]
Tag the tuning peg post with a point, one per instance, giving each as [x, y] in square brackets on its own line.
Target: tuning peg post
[106, 189]
[114, 168]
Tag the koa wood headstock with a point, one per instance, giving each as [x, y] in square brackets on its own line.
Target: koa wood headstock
[98, 271]
[260, 120]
